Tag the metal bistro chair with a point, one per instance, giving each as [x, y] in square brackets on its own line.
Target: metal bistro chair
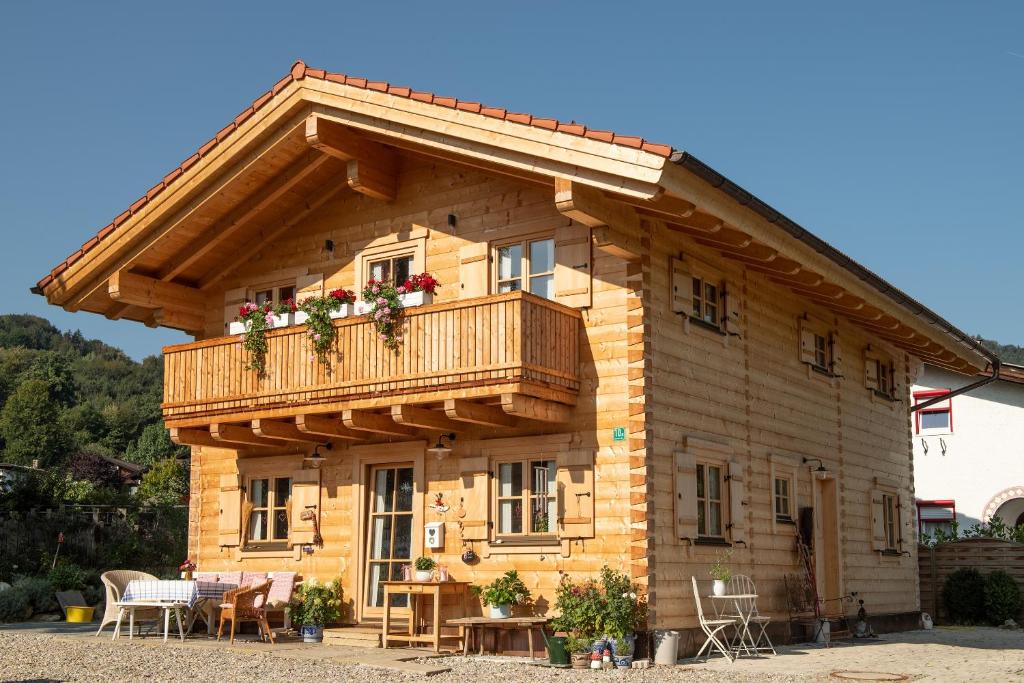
[741, 584]
[711, 628]
[115, 582]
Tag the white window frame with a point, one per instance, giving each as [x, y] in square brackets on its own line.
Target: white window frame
[526, 496]
[277, 289]
[271, 509]
[525, 276]
[704, 502]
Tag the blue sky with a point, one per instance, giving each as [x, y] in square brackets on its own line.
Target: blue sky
[893, 130]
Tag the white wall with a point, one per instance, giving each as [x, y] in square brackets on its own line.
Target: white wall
[984, 453]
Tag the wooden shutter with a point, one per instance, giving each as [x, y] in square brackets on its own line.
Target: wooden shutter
[836, 350]
[898, 384]
[572, 265]
[305, 493]
[575, 478]
[806, 343]
[685, 482]
[682, 287]
[309, 286]
[233, 300]
[473, 270]
[475, 499]
[230, 498]
[877, 521]
[737, 510]
[731, 314]
[870, 371]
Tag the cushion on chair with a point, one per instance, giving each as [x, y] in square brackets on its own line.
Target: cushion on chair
[234, 578]
[281, 588]
[253, 578]
[206, 576]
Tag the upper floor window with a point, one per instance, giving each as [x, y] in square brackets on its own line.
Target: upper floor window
[527, 265]
[879, 373]
[783, 499]
[937, 418]
[527, 496]
[268, 515]
[817, 345]
[394, 269]
[709, 501]
[706, 301]
[935, 516]
[274, 294]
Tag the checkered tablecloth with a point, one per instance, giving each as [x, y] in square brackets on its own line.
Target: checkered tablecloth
[188, 592]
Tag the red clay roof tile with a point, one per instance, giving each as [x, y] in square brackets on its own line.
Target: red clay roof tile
[74, 257]
[300, 71]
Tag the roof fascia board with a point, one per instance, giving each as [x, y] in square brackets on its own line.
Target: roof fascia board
[681, 183]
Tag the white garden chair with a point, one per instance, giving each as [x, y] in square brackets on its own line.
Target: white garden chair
[115, 582]
[711, 629]
[741, 584]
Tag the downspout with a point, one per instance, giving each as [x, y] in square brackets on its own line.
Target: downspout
[994, 364]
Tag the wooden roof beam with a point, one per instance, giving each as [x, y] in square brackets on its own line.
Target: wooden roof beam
[367, 421]
[116, 311]
[139, 290]
[318, 425]
[285, 431]
[269, 194]
[411, 416]
[372, 167]
[535, 408]
[613, 224]
[186, 321]
[201, 437]
[478, 413]
[238, 434]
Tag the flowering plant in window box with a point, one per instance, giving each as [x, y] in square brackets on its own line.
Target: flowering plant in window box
[385, 311]
[318, 312]
[284, 313]
[418, 290]
[255, 321]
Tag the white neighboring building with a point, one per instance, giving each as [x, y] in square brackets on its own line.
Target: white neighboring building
[969, 450]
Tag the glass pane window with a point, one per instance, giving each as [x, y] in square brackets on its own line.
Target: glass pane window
[274, 295]
[934, 419]
[390, 531]
[535, 259]
[821, 351]
[782, 504]
[709, 500]
[884, 371]
[393, 269]
[705, 301]
[889, 520]
[527, 497]
[268, 517]
[510, 268]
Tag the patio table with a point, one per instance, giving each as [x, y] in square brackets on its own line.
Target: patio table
[745, 605]
[173, 594]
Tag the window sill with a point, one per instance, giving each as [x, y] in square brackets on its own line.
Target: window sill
[513, 542]
[824, 372]
[710, 327]
[276, 550]
[785, 520]
[890, 553]
[883, 396]
[709, 541]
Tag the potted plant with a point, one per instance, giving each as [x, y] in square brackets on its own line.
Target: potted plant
[720, 573]
[424, 568]
[581, 612]
[418, 290]
[314, 605]
[284, 313]
[255, 320]
[385, 311]
[318, 313]
[186, 569]
[502, 593]
[623, 611]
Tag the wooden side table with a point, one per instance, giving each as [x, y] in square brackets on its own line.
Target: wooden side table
[416, 590]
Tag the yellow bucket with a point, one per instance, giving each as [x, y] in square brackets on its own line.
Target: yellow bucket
[79, 615]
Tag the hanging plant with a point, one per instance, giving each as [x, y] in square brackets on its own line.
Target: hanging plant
[385, 311]
[322, 332]
[257, 320]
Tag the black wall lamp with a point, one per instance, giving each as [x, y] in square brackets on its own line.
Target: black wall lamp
[315, 459]
[821, 465]
[440, 451]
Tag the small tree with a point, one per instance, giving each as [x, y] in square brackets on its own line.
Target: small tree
[30, 428]
[1002, 597]
[164, 484]
[153, 445]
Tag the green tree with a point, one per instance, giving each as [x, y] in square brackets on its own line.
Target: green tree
[55, 370]
[164, 483]
[29, 424]
[153, 445]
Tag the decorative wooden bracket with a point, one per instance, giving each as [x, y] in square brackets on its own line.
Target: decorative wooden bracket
[372, 167]
[614, 225]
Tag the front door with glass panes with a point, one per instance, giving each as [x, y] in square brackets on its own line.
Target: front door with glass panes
[527, 500]
[393, 269]
[268, 512]
[389, 532]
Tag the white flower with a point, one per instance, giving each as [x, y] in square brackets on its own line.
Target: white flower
[625, 595]
[633, 595]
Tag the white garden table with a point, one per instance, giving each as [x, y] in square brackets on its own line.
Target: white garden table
[745, 605]
[167, 596]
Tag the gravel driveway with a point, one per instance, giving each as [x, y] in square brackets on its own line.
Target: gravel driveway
[946, 655]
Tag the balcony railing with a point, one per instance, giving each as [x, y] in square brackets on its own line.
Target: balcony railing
[512, 342]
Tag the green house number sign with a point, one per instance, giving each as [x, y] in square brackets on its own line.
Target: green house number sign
[619, 434]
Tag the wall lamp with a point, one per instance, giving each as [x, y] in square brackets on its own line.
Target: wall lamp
[440, 451]
[315, 459]
[821, 465]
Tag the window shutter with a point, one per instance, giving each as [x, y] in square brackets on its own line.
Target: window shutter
[877, 521]
[806, 343]
[731, 315]
[870, 371]
[473, 270]
[572, 265]
[682, 287]
[836, 349]
[475, 499]
[230, 498]
[575, 479]
[233, 300]
[305, 493]
[899, 386]
[904, 522]
[308, 286]
[737, 510]
[686, 495]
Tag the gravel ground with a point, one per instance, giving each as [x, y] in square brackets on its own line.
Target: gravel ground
[945, 655]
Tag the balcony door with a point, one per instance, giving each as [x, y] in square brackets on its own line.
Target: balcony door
[389, 531]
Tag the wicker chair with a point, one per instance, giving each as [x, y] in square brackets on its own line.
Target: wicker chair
[115, 582]
[240, 606]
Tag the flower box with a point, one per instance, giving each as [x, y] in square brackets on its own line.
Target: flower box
[343, 312]
[362, 307]
[236, 327]
[301, 317]
[419, 298]
[284, 319]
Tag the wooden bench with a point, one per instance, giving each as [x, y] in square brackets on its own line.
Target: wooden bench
[468, 628]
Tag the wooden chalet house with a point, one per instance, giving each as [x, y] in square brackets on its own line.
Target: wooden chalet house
[643, 364]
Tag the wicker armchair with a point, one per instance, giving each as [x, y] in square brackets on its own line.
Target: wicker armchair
[115, 582]
[240, 605]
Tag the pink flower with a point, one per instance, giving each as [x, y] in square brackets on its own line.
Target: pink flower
[400, 290]
[312, 357]
[269, 319]
[316, 337]
[381, 301]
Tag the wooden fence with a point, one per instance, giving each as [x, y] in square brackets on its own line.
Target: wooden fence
[983, 554]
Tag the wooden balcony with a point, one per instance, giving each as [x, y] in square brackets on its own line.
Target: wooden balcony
[515, 350]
